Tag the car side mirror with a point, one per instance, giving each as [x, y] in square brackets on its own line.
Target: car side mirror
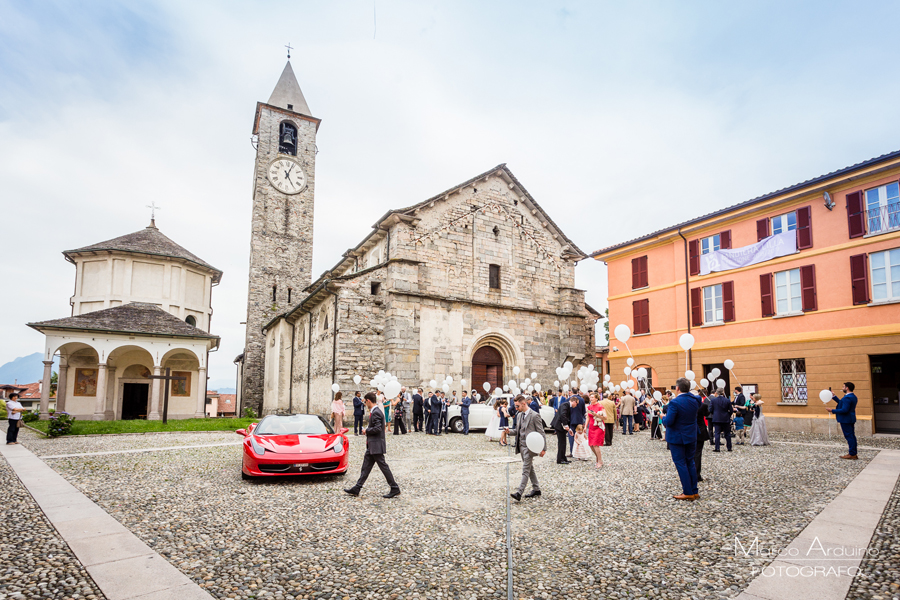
[344, 430]
[242, 432]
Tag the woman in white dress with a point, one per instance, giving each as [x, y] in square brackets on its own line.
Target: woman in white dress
[493, 432]
[759, 435]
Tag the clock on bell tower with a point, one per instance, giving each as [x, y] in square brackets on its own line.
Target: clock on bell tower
[281, 238]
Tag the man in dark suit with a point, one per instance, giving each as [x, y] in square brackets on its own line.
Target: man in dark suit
[560, 425]
[721, 410]
[681, 435]
[442, 423]
[418, 410]
[435, 419]
[376, 448]
[535, 405]
[576, 417]
[845, 414]
[554, 401]
[359, 412]
[465, 403]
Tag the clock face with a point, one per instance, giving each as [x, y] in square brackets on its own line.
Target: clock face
[287, 176]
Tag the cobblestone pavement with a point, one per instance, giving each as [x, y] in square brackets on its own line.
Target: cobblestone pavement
[34, 561]
[613, 532]
[879, 572]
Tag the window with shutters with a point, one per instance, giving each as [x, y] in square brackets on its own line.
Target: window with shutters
[788, 300]
[713, 308]
[885, 275]
[710, 244]
[494, 277]
[782, 223]
[793, 381]
[639, 277]
[883, 208]
[641, 310]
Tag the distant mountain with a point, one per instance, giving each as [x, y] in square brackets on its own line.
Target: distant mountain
[223, 390]
[25, 369]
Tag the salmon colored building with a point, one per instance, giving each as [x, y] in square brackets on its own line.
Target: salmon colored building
[800, 288]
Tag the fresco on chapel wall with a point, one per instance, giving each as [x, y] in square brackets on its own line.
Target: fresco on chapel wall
[181, 388]
[85, 382]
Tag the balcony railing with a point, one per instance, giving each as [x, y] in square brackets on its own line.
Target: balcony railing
[883, 218]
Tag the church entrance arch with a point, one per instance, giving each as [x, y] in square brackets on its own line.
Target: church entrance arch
[487, 366]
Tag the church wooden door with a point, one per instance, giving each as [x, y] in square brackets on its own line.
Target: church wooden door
[487, 366]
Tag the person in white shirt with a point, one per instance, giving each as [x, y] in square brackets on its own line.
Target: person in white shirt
[14, 411]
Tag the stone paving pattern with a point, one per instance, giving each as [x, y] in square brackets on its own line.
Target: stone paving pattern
[34, 560]
[611, 533]
[879, 572]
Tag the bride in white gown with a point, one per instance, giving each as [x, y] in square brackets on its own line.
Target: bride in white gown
[493, 429]
[759, 435]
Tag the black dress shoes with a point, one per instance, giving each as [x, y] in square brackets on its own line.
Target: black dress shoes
[352, 491]
[563, 462]
[533, 494]
[516, 496]
[392, 494]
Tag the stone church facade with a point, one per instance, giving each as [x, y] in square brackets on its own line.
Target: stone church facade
[469, 283]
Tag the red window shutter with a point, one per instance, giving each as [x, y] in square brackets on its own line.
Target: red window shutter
[645, 280]
[641, 313]
[725, 240]
[694, 253]
[856, 217]
[859, 276]
[808, 288]
[696, 307]
[804, 228]
[765, 293]
[635, 273]
[762, 229]
[728, 301]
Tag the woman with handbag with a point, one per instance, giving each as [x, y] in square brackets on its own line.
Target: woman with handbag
[14, 411]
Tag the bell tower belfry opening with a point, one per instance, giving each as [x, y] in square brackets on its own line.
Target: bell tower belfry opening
[281, 238]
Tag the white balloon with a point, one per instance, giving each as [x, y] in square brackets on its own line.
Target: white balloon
[642, 373]
[567, 365]
[386, 374]
[394, 378]
[487, 386]
[516, 370]
[627, 370]
[511, 383]
[537, 386]
[606, 377]
[432, 384]
[657, 395]
[357, 379]
[714, 373]
[535, 442]
[449, 379]
[630, 383]
[618, 389]
[704, 382]
[689, 375]
[720, 384]
[380, 387]
[497, 391]
[591, 367]
[566, 388]
[825, 396]
[556, 384]
[530, 388]
[462, 382]
[527, 380]
[622, 333]
[505, 388]
[533, 376]
[693, 385]
[446, 388]
[392, 389]
[381, 372]
[686, 341]
[335, 388]
[729, 364]
[630, 361]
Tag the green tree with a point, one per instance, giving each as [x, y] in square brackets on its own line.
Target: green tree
[54, 382]
[606, 325]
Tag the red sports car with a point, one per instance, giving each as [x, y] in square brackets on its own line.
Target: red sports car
[293, 445]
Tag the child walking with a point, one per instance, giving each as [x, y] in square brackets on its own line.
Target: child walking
[581, 451]
[739, 429]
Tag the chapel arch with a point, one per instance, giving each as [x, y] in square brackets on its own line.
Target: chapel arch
[133, 366]
[497, 343]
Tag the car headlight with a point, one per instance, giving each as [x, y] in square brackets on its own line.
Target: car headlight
[338, 446]
[256, 447]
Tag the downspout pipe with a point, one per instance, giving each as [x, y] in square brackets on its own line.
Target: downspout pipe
[291, 381]
[687, 293]
[334, 341]
[308, 358]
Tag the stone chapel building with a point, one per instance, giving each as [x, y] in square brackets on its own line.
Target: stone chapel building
[142, 303]
[469, 283]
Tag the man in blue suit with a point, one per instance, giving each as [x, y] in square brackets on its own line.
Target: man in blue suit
[436, 406]
[576, 417]
[845, 413]
[359, 412]
[465, 402]
[681, 434]
[721, 409]
[554, 401]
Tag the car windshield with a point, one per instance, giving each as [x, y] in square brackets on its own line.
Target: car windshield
[292, 425]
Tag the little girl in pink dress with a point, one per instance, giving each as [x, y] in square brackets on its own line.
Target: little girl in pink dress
[581, 451]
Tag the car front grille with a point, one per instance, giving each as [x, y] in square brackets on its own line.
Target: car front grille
[290, 468]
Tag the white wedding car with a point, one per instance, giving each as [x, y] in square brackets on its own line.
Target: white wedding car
[480, 414]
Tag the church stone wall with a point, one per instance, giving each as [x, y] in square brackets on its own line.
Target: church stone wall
[281, 243]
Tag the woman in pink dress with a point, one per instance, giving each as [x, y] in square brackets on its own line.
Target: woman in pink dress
[596, 427]
[337, 411]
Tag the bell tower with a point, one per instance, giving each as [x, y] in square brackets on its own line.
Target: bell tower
[281, 238]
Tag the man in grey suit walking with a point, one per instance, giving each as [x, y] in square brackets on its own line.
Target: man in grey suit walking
[376, 448]
[527, 421]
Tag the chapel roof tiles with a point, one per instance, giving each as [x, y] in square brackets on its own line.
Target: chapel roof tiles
[136, 318]
[146, 241]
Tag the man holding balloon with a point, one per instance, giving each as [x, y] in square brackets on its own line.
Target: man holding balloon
[845, 414]
[530, 440]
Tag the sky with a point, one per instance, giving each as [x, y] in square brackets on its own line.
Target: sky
[619, 118]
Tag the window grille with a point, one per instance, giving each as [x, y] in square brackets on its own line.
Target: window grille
[793, 381]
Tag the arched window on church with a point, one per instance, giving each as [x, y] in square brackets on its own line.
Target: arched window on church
[287, 139]
[190, 320]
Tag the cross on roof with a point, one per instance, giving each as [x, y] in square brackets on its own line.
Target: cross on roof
[153, 208]
[289, 48]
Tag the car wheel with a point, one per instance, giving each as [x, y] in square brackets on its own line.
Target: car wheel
[456, 425]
